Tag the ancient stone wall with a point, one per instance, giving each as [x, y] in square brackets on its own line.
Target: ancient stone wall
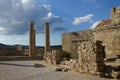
[66, 42]
[110, 37]
[78, 37]
[115, 15]
[53, 57]
[87, 51]
[111, 40]
[90, 57]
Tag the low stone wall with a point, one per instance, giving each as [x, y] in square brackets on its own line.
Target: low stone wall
[53, 57]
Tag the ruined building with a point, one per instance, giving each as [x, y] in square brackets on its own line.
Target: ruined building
[107, 31]
[90, 47]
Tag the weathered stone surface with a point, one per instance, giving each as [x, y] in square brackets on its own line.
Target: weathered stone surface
[47, 39]
[88, 52]
[115, 15]
[111, 40]
[32, 41]
[90, 58]
[53, 57]
[66, 42]
[71, 64]
[116, 74]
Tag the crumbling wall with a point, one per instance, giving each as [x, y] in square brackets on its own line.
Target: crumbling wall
[90, 57]
[89, 52]
[53, 57]
[111, 40]
[78, 37]
[110, 37]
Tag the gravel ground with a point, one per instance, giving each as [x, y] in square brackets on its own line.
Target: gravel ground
[25, 70]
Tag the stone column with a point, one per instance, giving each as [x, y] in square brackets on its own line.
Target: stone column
[32, 40]
[47, 39]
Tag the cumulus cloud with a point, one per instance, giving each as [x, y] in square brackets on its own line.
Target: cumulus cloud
[15, 16]
[78, 20]
[53, 19]
[95, 24]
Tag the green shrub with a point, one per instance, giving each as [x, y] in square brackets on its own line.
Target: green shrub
[65, 54]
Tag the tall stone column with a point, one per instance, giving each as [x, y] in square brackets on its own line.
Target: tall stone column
[32, 40]
[47, 39]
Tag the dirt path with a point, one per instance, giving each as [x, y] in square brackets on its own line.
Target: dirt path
[25, 70]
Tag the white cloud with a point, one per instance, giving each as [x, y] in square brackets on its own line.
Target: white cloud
[15, 16]
[95, 24]
[1, 28]
[49, 15]
[25, 1]
[78, 20]
[53, 19]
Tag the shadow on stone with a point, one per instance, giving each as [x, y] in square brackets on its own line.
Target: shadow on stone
[38, 65]
[23, 65]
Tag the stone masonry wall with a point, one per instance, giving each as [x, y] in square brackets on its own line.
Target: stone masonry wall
[53, 57]
[79, 37]
[110, 37]
[66, 42]
[111, 40]
[88, 52]
[90, 57]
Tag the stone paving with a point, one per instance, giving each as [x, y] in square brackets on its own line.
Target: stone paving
[25, 70]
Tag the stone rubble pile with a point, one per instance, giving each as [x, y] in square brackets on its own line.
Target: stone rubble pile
[70, 64]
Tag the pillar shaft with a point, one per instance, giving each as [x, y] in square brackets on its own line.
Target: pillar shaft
[32, 40]
[47, 38]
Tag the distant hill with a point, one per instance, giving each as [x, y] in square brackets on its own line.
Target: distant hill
[56, 46]
[53, 46]
[27, 46]
[2, 45]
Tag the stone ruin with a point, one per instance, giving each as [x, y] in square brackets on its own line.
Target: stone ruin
[90, 48]
[87, 52]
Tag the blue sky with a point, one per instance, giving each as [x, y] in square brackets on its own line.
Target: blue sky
[64, 16]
